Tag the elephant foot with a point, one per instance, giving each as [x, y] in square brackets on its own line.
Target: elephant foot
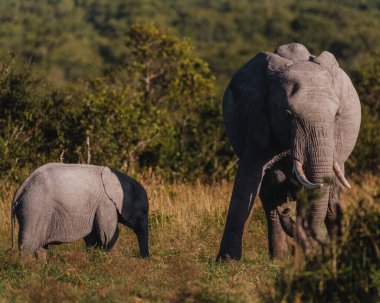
[230, 249]
[114, 249]
[41, 254]
[279, 251]
[30, 255]
[91, 241]
[225, 257]
[26, 256]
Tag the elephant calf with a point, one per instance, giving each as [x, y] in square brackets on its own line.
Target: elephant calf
[60, 203]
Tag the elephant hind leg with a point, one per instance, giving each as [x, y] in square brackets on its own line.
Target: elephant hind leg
[29, 251]
[31, 238]
[41, 254]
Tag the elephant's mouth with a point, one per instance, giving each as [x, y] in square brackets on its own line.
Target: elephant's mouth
[302, 179]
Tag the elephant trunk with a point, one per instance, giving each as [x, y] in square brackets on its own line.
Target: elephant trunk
[287, 223]
[315, 209]
[142, 234]
[315, 163]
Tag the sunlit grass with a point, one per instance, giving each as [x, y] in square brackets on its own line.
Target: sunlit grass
[186, 223]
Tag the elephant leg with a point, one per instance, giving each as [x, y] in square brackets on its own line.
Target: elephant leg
[32, 232]
[334, 216]
[109, 239]
[105, 223]
[92, 239]
[245, 189]
[41, 254]
[278, 248]
[276, 187]
[273, 194]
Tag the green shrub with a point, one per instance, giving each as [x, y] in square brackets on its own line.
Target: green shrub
[157, 110]
[349, 272]
[366, 156]
[36, 122]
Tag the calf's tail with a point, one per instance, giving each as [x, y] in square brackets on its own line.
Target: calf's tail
[13, 220]
[13, 226]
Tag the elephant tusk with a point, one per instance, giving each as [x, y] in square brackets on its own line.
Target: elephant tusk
[339, 174]
[298, 170]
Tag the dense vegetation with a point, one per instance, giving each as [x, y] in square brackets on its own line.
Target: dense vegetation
[93, 71]
[137, 85]
[349, 270]
[157, 109]
[75, 39]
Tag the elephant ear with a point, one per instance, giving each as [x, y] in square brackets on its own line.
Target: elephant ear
[119, 188]
[245, 109]
[348, 119]
[327, 61]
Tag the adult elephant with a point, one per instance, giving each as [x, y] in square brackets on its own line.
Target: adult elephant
[288, 114]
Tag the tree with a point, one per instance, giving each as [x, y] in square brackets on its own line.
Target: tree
[157, 109]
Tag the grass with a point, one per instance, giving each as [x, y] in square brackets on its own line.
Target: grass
[186, 223]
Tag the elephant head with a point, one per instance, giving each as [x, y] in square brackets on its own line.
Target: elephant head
[131, 202]
[288, 100]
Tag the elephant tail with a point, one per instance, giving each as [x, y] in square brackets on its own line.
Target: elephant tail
[13, 217]
[13, 223]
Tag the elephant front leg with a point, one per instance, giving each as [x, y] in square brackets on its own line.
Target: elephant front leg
[110, 239]
[105, 233]
[243, 196]
[92, 240]
[278, 247]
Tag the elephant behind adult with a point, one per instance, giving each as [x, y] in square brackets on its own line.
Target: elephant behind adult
[61, 203]
[295, 104]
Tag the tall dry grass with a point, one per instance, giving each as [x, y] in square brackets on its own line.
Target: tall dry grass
[186, 223]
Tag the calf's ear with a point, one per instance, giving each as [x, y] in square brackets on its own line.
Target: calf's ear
[119, 189]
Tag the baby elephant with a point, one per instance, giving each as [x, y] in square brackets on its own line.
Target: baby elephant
[60, 203]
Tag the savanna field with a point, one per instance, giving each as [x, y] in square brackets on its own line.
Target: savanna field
[137, 85]
[186, 223]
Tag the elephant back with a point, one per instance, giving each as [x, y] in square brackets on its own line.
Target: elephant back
[244, 100]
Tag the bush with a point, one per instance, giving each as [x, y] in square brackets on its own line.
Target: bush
[36, 122]
[366, 156]
[157, 110]
[350, 271]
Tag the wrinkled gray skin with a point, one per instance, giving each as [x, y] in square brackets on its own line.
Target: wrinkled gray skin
[280, 107]
[61, 203]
